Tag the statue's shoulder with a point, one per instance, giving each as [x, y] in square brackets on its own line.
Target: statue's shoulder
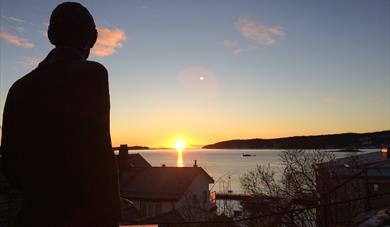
[91, 67]
[23, 83]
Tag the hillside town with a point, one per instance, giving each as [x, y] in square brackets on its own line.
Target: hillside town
[353, 188]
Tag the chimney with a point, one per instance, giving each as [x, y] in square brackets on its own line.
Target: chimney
[195, 163]
[123, 157]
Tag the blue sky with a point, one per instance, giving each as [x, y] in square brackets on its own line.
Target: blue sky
[269, 68]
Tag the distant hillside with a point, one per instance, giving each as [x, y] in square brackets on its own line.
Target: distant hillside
[334, 141]
[139, 148]
[133, 148]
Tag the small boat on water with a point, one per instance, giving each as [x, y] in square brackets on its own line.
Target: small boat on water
[247, 155]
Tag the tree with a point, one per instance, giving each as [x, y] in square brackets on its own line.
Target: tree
[276, 197]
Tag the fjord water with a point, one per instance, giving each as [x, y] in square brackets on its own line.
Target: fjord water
[222, 163]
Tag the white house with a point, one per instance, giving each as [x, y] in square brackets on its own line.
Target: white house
[174, 194]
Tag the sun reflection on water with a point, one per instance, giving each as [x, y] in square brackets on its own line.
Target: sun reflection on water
[179, 162]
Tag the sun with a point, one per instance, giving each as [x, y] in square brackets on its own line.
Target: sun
[180, 144]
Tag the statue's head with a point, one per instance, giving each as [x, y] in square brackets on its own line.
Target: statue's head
[71, 25]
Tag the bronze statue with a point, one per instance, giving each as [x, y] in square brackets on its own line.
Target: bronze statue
[56, 145]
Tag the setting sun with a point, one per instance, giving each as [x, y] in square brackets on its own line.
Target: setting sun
[180, 144]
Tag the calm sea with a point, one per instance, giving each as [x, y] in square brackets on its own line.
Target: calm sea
[225, 166]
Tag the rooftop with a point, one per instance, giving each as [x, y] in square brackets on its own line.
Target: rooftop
[376, 164]
[135, 160]
[159, 183]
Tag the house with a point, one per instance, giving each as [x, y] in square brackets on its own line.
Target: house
[362, 180]
[133, 160]
[177, 194]
[126, 160]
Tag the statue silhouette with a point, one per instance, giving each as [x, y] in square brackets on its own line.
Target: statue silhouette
[56, 146]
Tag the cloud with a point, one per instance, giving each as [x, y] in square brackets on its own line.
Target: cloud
[259, 32]
[108, 41]
[19, 29]
[243, 50]
[236, 48]
[31, 62]
[13, 19]
[15, 40]
[44, 33]
[229, 44]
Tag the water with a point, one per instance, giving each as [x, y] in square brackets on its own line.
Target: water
[221, 164]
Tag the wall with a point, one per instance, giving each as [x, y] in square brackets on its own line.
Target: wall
[150, 208]
[195, 203]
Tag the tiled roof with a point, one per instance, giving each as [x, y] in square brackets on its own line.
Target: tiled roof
[159, 183]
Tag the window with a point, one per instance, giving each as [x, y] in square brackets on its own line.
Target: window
[375, 187]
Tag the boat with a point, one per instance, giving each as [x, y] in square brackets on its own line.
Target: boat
[247, 155]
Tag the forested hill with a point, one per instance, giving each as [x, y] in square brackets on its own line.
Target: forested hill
[333, 141]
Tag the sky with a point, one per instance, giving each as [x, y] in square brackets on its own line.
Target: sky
[207, 71]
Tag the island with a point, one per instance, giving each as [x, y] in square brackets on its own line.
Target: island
[343, 141]
[133, 148]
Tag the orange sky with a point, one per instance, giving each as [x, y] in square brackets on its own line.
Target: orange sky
[223, 70]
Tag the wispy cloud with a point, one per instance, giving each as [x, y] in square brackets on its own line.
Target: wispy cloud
[108, 41]
[46, 26]
[31, 62]
[243, 50]
[259, 32]
[255, 33]
[236, 48]
[44, 33]
[229, 44]
[13, 19]
[15, 40]
[19, 29]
